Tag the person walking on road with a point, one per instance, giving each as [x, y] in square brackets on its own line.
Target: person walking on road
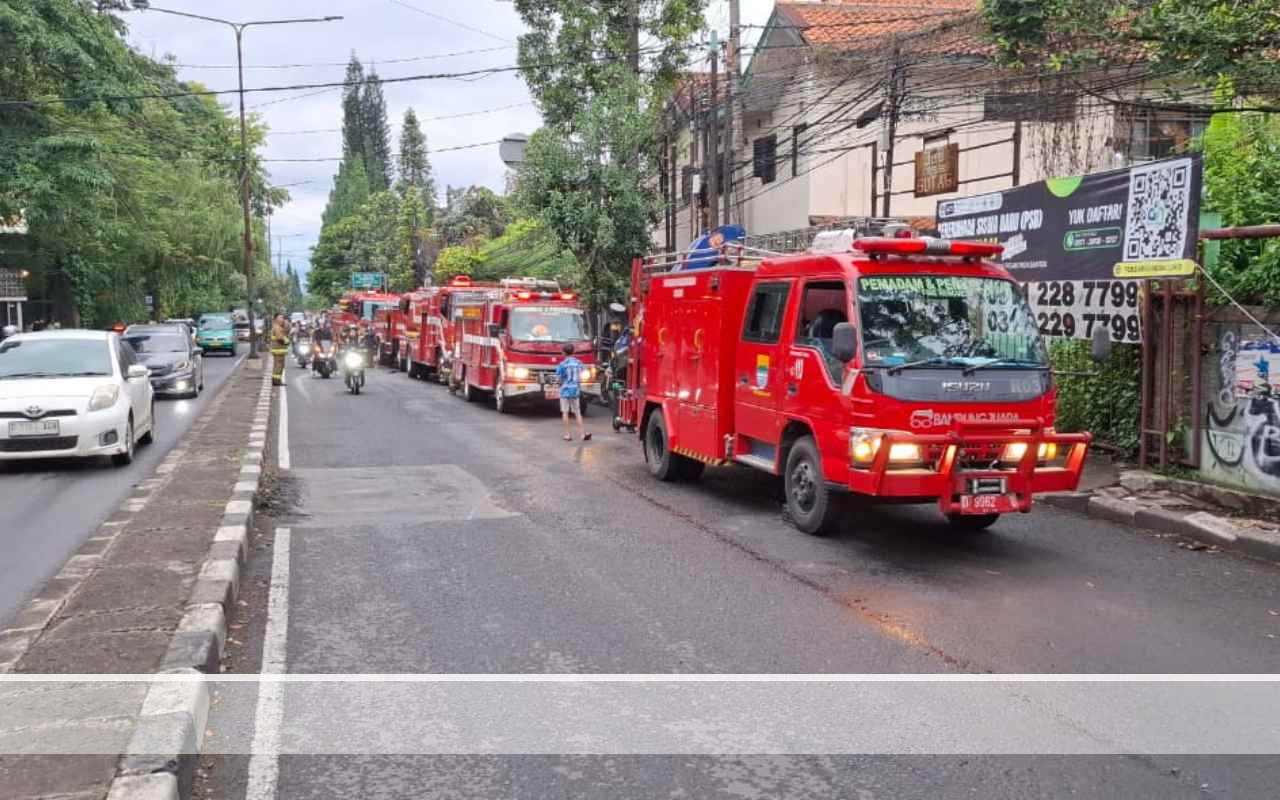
[569, 373]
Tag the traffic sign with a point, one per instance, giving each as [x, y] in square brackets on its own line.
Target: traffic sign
[367, 280]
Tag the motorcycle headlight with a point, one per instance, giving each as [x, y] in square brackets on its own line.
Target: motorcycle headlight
[353, 360]
[105, 396]
[520, 373]
[304, 348]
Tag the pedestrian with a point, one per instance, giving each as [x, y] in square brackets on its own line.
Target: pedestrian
[569, 373]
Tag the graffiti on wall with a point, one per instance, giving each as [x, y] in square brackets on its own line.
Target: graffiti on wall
[1242, 432]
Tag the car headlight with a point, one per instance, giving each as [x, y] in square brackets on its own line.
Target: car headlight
[105, 396]
[182, 366]
[520, 373]
[353, 360]
[587, 374]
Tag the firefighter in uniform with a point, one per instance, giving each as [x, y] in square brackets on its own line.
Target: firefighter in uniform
[279, 348]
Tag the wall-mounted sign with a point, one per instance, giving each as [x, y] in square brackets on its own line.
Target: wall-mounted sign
[1138, 222]
[938, 170]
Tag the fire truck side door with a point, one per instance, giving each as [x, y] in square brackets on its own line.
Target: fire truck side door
[758, 372]
[812, 376]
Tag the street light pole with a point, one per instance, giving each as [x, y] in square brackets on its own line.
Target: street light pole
[239, 28]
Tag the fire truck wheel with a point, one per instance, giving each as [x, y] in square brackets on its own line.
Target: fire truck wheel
[468, 393]
[663, 463]
[810, 503]
[972, 522]
[500, 401]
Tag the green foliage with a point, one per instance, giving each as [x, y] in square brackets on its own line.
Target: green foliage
[527, 248]
[460, 259]
[410, 232]
[377, 139]
[372, 238]
[1106, 404]
[415, 168]
[474, 211]
[594, 188]
[1242, 182]
[574, 47]
[125, 198]
[1202, 40]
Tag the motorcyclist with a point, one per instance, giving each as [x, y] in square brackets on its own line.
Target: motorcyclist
[323, 338]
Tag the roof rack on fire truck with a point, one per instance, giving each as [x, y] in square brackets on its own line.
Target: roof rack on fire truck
[730, 254]
[532, 284]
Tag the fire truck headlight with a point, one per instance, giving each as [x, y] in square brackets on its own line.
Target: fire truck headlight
[1048, 451]
[863, 445]
[904, 452]
[1014, 451]
[520, 373]
[588, 373]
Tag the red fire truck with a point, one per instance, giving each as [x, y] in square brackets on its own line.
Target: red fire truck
[389, 330]
[904, 369]
[433, 318]
[358, 308]
[512, 340]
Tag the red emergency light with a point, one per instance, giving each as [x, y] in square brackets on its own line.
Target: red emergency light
[460, 280]
[927, 246]
[524, 295]
[567, 295]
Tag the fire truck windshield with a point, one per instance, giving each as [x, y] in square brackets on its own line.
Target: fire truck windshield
[946, 320]
[370, 308]
[548, 324]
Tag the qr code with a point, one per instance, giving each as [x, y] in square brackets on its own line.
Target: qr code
[1159, 197]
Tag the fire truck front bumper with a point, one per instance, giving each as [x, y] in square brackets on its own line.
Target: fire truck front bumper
[976, 469]
[518, 389]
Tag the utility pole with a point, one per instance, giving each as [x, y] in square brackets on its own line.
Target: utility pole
[894, 102]
[239, 28]
[633, 36]
[713, 140]
[732, 213]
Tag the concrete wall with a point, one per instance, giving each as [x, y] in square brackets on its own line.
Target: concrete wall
[1240, 443]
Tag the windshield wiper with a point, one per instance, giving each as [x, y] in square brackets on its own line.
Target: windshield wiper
[30, 375]
[924, 362]
[1003, 362]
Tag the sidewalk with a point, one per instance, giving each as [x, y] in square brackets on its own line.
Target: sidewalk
[1211, 517]
[146, 593]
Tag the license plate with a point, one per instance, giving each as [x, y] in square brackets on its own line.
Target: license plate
[42, 427]
[552, 394]
[987, 504]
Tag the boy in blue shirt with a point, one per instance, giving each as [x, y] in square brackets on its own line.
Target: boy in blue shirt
[569, 373]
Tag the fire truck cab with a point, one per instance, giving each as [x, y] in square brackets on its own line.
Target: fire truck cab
[513, 339]
[433, 324]
[389, 330]
[900, 369]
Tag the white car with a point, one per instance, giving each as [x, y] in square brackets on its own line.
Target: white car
[73, 394]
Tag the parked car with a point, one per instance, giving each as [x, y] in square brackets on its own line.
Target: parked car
[177, 365]
[216, 332]
[73, 393]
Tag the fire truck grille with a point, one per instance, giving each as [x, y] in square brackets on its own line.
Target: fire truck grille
[976, 455]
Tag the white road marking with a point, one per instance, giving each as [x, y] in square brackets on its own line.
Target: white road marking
[282, 449]
[264, 764]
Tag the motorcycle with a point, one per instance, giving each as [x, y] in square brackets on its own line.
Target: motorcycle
[353, 362]
[325, 359]
[302, 352]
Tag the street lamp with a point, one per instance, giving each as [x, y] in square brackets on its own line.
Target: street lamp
[239, 27]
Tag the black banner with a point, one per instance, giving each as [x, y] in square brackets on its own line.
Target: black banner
[1138, 222]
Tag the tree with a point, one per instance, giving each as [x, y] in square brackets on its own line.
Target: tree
[410, 271]
[1193, 40]
[472, 211]
[594, 188]
[574, 47]
[415, 168]
[377, 143]
[350, 190]
[295, 287]
[352, 110]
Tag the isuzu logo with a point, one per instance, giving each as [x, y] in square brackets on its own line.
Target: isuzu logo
[966, 387]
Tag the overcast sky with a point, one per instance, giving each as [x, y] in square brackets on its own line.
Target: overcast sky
[383, 33]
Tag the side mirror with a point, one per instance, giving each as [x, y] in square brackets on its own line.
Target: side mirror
[1100, 344]
[844, 342]
[617, 308]
[198, 351]
[137, 371]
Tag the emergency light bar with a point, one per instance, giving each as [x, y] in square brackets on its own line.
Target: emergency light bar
[460, 280]
[926, 245]
[545, 295]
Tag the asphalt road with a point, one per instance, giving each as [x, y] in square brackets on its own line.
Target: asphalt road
[50, 506]
[428, 535]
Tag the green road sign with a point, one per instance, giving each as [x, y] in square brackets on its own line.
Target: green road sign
[366, 280]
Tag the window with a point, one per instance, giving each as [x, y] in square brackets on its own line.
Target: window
[764, 315]
[764, 162]
[796, 132]
[1029, 106]
[1148, 133]
[869, 116]
[823, 306]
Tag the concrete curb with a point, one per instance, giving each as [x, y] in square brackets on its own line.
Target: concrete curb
[1200, 526]
[161, 760]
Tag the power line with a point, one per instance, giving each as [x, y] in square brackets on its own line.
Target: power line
[432, 57]
[443, 18]
[433, 152]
